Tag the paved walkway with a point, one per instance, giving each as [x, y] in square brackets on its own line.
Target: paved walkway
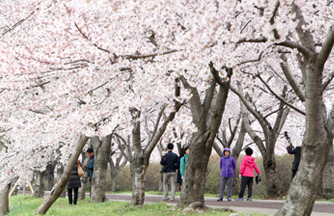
[256, 206]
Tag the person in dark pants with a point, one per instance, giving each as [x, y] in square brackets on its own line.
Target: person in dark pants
[182, 161]
[73, 183]
[227, 166]
[171, 162]
[297, 151]
[90, 168]
[247, 174]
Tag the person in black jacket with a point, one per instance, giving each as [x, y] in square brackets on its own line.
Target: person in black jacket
[171, 163]
[297, 153]
[73, 183]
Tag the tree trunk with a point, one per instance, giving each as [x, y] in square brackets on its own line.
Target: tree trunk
[161, 185]
[50, 174]
[193, 186]
[84, 179]
[39, 186]
[207, 117]
[113, 174]
[271, 185]
[113, 180]
[4, 204]
[315, 147]
[101, 158]
[60, 171]
[61, 184]
[328, 179]
[138, 169]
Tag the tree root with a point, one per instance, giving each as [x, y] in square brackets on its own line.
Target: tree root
[198, 207]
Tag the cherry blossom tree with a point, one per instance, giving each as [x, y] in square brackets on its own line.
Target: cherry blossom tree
[71, 68]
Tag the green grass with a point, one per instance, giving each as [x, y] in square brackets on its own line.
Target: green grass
[24, 206]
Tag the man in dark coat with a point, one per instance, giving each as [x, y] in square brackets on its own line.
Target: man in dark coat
[73, 183]
[171, 162]
[90, 167]
[297, 153]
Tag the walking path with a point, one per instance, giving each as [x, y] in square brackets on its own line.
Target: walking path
[256, 206]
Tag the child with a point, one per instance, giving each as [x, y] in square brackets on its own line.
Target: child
[246, 174]
[227, 166]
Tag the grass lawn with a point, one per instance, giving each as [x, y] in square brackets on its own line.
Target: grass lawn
[21, 206]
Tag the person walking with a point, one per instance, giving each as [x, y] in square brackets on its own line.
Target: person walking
[183, 161]
[296, 151]
[227, 167]
[247, 174]
[170, 161]
[90, 167]
[179, 177]
[73, 183]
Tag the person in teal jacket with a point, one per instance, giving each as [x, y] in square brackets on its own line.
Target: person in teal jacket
[184, 161]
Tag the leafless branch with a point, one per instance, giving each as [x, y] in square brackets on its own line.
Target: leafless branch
[293, 45]
[18, 23]
[326, 49]
[131, 56]
[252, 60]
[326, 83]
[253, 40]
[280, 98]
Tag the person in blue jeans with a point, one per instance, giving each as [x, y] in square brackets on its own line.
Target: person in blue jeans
[227, 166]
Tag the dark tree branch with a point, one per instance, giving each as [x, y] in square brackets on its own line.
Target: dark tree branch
[305, 37]
[260, 118]
[252, 60]
[279, 97]
[252, 40]
[293, 45]
[325, 85]
[272, 20]
[131, 56]
[326, 49]
[17, 24]
[290, 78]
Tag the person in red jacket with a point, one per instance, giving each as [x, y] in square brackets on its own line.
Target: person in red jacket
[247, 174]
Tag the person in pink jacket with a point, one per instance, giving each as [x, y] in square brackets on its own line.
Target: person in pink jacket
[247, 174]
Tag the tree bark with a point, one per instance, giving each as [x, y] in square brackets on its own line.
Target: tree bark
[207, 118]
[101, 159]
[39, 186]
[4, 204]
[61, 184]
[113, 180]
[302, 193]
[60, 171]
[161, 185]
[138, 169]
[50, 174]
[328, 179]
[139, 161]
[84, 181]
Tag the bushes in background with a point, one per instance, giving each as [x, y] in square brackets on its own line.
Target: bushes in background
[283, 170]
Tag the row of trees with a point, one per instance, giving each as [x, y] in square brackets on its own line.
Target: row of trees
[144, 72]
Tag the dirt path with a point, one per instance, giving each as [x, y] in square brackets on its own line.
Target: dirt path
[255, 206]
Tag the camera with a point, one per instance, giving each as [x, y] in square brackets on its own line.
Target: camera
[288, 138]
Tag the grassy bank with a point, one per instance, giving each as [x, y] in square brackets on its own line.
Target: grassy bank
[27, 206]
